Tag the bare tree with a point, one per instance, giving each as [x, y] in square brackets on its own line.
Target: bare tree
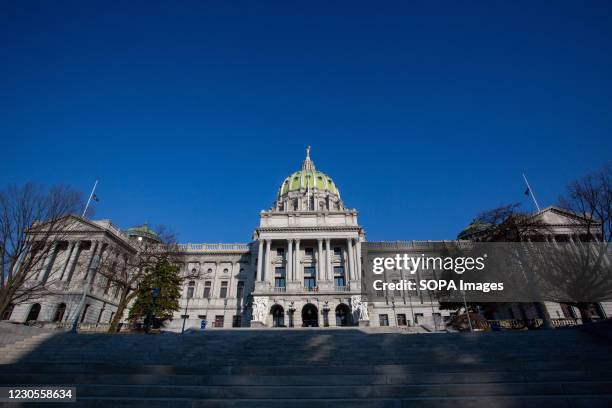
[127, 273]
[591, 199]
[32, 221]
[507, 224]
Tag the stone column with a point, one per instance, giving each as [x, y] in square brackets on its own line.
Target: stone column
[298, 275]
[74, 258]
[289, 263]
[92, 250]
[69, 250]
[358, 259]
[328, 263]
[48, 262]
[234, 269]
[267, 261]
[260, 255]
[320, 268]
[351, 258]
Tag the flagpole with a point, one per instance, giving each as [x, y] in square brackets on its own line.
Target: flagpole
[531, 193]
[93, 190]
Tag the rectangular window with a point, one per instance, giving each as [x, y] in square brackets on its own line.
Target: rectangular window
[308, 251]
[218, 321]
[223, 290]
[339, 279]
[240, 289]
[337, 251]
[237, 321]
[190, 290]
[280, 251]
[383, 319]
[418, 316]
[401, 319]
[279, 282]
[396, 282]
[310, 284]
[309, 271]
[207, 286]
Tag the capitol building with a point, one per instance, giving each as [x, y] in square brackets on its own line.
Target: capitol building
[301, 269]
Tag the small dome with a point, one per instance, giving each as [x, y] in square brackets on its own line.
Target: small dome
[475, 227]
[142, 232]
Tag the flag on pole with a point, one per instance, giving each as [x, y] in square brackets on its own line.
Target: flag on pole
[95, 198]
[527, 192]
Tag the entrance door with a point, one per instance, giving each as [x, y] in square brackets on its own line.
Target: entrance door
[343, 315]
[278, 316]
[310, 316]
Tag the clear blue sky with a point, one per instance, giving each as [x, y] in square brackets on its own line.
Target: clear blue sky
[192, 113]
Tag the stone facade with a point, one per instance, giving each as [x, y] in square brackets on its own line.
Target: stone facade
[302, 268]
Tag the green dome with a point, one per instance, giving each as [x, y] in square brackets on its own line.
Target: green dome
[308, 178]
[475, 227]
[304, 179]
[142, 231]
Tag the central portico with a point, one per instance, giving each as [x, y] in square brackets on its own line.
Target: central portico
[309, 253]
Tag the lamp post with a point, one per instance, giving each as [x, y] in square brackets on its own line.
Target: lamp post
[185, 316]
[291, 312]
[326, 314]
[393, 307]
[467, 311]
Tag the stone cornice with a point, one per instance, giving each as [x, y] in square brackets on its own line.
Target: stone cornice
[311, 229]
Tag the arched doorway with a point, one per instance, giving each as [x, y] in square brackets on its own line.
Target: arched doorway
[34, 311]
[278, 316]
[8, 312]
[343, 315]
[310, 316]
[59, 312]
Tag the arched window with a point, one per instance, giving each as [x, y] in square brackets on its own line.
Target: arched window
[59, 312]
[8, 312]
[190, 289]
[34, 312]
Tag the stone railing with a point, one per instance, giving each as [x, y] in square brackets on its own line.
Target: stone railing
[280, 289]
[522, 324]
[568, 321]
[342, 289]
[84, 327]
[213, 247]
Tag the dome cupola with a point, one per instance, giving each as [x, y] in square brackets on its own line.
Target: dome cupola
[308, 190]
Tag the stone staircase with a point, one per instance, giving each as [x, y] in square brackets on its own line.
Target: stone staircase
[321, 368]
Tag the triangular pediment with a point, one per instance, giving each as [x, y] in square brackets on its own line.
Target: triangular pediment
[559, 216]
